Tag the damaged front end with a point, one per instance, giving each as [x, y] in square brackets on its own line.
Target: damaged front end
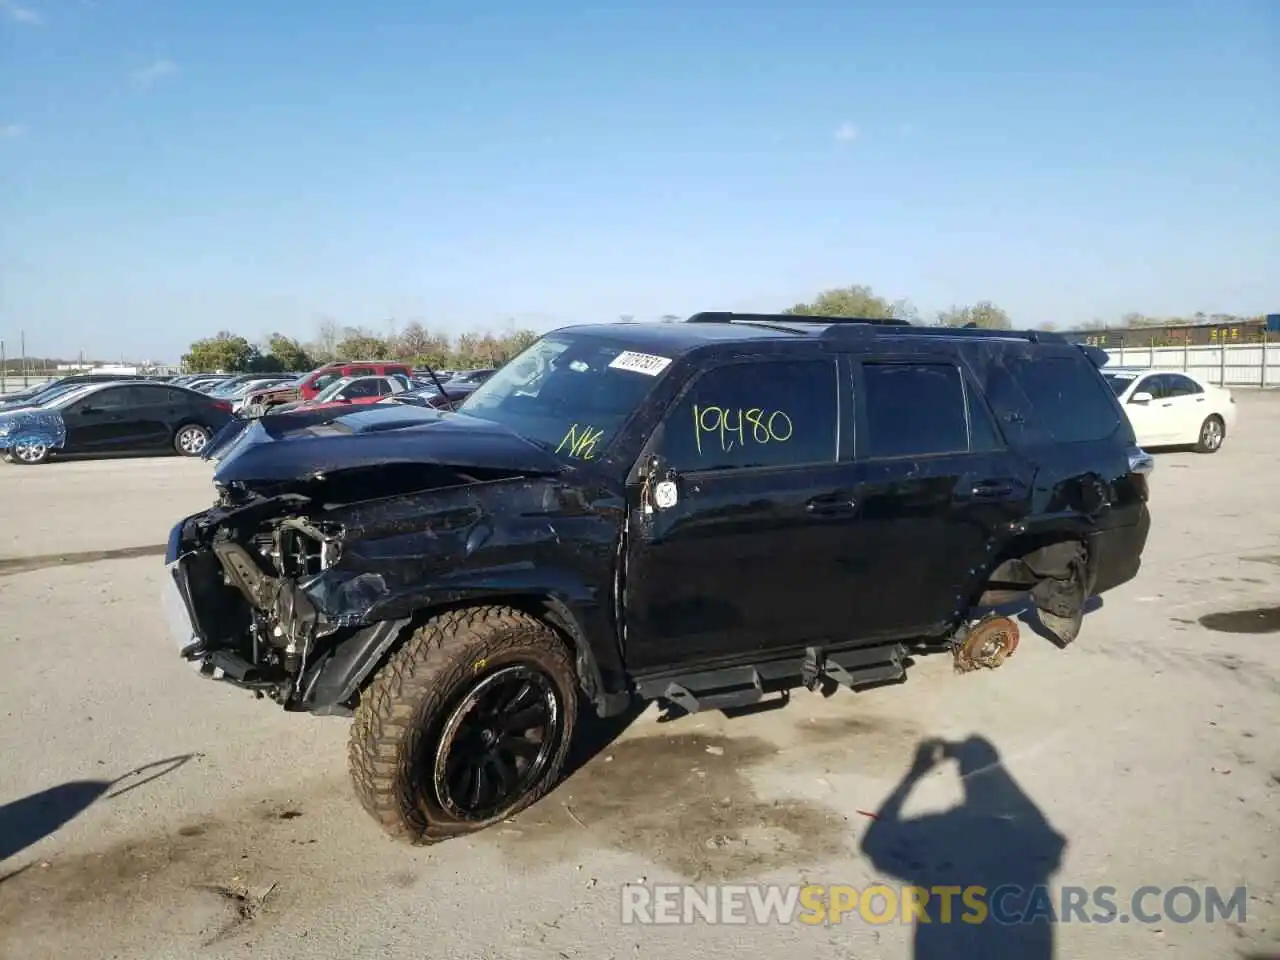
[320, 549]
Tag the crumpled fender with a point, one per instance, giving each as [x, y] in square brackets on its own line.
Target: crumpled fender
[33, 426]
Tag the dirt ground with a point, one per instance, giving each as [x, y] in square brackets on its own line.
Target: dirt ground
[145, 813]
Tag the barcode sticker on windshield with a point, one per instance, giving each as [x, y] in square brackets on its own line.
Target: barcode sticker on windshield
[645, 363]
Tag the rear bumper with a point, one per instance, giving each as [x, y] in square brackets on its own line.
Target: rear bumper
[1116, 553]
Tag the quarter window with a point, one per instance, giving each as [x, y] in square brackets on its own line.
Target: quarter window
[769, 413]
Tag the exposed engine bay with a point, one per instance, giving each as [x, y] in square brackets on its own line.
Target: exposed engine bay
[280, 578]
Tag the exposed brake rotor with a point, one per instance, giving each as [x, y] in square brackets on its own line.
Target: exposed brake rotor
[988, 643]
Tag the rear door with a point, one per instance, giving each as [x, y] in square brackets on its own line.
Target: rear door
[149, 414]
[1190, 405]
[937, 487]
[752, 555]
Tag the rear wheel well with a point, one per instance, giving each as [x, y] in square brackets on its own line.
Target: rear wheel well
[1035, 565]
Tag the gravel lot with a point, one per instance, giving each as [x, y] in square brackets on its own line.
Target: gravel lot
[147, 814]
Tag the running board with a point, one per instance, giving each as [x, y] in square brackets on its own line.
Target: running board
[731, 688]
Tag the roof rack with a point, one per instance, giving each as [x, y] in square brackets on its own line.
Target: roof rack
[712, 316]
[837, 327]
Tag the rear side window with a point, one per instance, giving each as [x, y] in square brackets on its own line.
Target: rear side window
[768, 413]
[1068, 397]
[915, 409]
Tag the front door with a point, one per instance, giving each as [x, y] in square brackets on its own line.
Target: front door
[98, 422]
[1154, 421]
[750, 551]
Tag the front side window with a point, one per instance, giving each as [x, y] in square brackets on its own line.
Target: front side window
[767, 413]
[361, 388]
[568, 394]
[915, 410]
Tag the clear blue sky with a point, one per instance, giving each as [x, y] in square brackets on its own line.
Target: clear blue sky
[168, 169]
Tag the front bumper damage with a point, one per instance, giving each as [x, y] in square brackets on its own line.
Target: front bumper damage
[303, 641]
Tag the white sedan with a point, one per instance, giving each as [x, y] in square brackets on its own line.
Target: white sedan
[1169, 408]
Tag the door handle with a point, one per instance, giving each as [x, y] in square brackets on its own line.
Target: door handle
[1169, 404]
[992, 490]
[831, 506]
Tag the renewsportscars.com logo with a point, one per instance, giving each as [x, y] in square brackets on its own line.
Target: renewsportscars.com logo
[817, 905]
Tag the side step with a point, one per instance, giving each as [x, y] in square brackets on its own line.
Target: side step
[730, 688]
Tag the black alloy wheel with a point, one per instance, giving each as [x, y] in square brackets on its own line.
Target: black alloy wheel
[497, 742]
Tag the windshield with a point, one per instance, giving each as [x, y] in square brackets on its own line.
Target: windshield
[1119, 382]
[50, 393]
[567, 394]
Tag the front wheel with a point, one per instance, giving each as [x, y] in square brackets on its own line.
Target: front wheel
[467, 724]
[191, 440]
[1212, 432]
[28, 452]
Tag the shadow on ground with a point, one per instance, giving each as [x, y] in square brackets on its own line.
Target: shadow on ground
[996, 839]
[27, 821]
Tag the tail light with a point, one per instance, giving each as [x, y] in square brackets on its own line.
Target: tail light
[1141, 464]
[223, 405]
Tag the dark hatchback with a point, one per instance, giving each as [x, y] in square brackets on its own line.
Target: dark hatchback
[110, 418]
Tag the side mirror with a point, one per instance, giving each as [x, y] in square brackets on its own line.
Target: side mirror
[661, 490]
[1141, 397]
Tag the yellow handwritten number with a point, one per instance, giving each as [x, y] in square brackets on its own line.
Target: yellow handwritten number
[736, 426]
[580, 442]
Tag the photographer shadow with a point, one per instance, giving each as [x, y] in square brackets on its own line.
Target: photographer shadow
[996, 839]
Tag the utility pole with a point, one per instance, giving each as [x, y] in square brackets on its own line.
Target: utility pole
[22, 339]
[3, 367]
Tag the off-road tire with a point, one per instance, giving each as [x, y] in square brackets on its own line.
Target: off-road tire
[402, 711]
[1207, 441]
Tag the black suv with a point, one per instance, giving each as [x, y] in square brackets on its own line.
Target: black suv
[701, 513]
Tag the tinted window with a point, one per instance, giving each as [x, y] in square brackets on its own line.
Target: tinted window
[1177, 385]
[148, 396]
[914, 409]
[361, 388]
[360, 371]
[112, 398]
[761, 414]
[984, 435]
[1153, 385]
[1068, 396]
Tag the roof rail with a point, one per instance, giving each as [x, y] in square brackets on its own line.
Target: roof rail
[975, 333]
[717, 316]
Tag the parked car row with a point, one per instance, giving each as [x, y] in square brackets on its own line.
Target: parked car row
[111, 417]
[113, 413]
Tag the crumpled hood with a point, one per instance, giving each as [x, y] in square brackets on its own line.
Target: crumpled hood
[294, 446]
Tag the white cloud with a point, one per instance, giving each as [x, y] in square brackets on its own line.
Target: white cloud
[12, 131]
[20, 14]
[846, 132]
[153, 72]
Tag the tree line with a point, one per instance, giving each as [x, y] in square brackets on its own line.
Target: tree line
[417, 345]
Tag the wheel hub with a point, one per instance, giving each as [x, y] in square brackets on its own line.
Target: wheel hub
[988, 644]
